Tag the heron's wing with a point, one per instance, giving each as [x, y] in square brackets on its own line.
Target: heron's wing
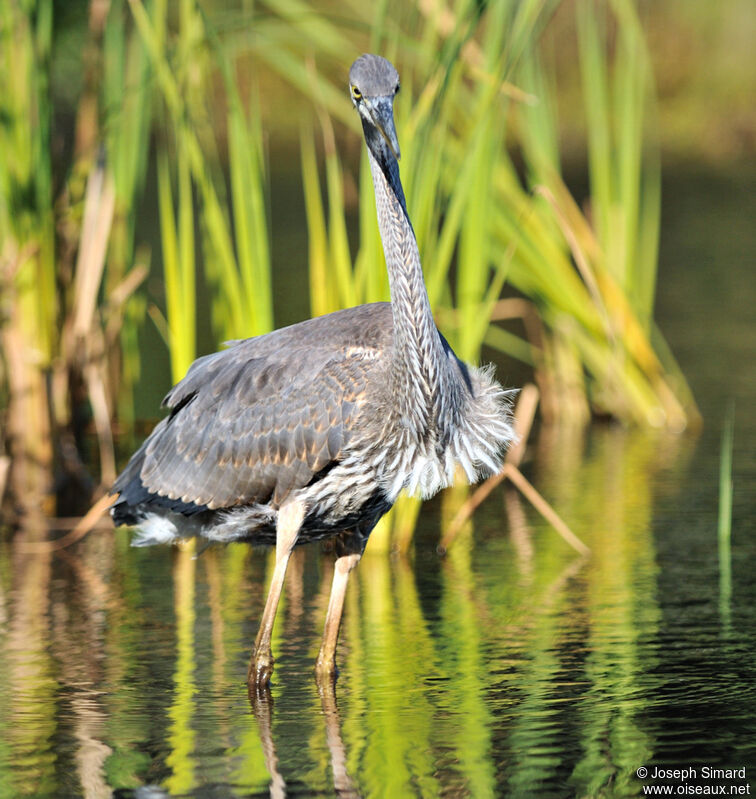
[254, 422]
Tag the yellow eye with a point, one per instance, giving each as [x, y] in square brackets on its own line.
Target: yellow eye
[356, 93]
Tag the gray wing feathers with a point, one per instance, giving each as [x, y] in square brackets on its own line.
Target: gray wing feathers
[254, 422]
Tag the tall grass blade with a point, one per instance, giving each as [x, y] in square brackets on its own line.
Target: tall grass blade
[322, 298]
[243, 303]
[248, 182]
[724, 523]
[177, 238]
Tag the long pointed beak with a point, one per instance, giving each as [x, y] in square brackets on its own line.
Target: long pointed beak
[381, 111]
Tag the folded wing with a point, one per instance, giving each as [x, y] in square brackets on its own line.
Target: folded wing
[254, 422]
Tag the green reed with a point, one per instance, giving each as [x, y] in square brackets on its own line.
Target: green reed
[27, 245]
[724, 524]
[26, 214]
[478, 85]
[236, 256]
[127, 101]
[724, 527]
[177, 240]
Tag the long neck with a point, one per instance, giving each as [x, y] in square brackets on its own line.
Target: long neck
[419, 359]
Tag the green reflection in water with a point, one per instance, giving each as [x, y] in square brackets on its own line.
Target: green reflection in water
[511, 667]
[181, 736]
[468, 672]
[618, 601]
[28, 705]
[231, 591]
[128, 634]
[391, 729]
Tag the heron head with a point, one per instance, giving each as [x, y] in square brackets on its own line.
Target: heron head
[373, 84]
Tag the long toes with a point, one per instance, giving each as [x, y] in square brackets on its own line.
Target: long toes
[325, 669]
[260, 671]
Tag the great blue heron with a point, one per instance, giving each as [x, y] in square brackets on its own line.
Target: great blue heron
[312, 431]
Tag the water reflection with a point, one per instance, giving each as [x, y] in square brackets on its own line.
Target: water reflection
[29, 689]
[511, 667]
[262, 706]
[261, 702]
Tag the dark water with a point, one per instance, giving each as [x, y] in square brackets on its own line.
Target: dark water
[512, 667]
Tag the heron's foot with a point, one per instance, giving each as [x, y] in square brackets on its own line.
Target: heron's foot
[325, 668]
[260, 669]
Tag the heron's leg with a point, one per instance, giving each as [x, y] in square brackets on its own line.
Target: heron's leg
[325, 665]
[290, 518]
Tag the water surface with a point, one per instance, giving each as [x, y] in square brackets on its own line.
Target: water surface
[511, 667]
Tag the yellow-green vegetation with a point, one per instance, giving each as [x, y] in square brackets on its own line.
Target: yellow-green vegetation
[724, 526]
[481, 166]
[234, 239]
[27, 240]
